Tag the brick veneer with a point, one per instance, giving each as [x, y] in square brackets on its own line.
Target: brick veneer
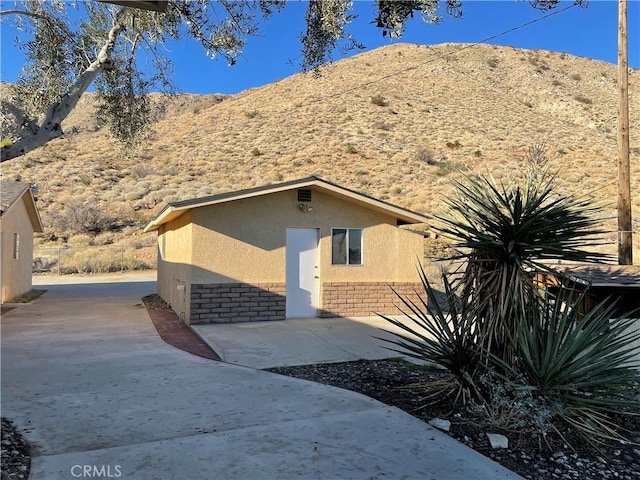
[237, 302]
[360, 299]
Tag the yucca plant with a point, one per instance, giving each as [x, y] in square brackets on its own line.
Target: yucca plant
[506, 234]
[584, 365]
[438, 332]
[500, 328]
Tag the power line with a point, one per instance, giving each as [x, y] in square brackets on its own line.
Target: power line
[439, 57]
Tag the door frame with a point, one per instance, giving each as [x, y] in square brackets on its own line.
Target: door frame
[311, 276]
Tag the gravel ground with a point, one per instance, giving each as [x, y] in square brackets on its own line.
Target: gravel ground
[392, 382]
[16, 460]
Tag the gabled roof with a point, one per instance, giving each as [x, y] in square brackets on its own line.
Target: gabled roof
[11, 193]
[176, 209]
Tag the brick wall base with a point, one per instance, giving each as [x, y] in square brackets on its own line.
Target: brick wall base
[242, 302]
[363, 299]
[237, 302]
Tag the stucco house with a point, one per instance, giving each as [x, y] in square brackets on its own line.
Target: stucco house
[304, 248]
[19, 219]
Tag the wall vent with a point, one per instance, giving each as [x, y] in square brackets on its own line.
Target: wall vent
[304, 195]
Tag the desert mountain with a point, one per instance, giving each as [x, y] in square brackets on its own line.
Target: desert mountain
[397, 123]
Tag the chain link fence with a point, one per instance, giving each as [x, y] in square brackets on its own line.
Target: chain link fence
[65, 260]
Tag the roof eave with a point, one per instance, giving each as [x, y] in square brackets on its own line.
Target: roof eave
[160, 219]
[174, 210]
[32, 210]
[34, 215]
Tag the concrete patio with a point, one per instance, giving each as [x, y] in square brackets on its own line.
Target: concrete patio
[301, 341]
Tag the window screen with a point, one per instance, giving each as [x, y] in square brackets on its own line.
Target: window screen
[339, 246]
[355, 246]
[346, 246]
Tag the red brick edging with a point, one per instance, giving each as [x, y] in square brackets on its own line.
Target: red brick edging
[179, 335]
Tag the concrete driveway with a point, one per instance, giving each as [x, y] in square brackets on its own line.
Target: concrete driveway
[300, 341]
[96, 390]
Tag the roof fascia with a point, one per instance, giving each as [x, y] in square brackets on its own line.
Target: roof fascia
[173, 211]
[34, 215]
[30, 205]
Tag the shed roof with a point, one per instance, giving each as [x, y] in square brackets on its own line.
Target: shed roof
[607, 275]
[11, 193]
[173, 210]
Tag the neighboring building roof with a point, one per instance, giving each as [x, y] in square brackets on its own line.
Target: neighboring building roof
[607, 275]
[11, 193]
[176, 209]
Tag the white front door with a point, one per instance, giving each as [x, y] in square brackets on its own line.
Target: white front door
[303, 275]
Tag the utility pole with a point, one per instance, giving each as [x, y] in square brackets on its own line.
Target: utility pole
[625, 245]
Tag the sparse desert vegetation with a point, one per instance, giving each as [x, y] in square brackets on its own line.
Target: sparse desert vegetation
[433, 114]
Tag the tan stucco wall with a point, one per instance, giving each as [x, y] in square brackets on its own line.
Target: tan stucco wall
[390, 254]
[16, 273]
[174, 263]
[244, 240]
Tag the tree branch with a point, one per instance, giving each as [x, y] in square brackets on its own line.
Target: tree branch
[51, 126]
[26, 13]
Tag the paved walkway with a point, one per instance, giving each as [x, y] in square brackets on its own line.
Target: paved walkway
[179, 335]
[87, 378]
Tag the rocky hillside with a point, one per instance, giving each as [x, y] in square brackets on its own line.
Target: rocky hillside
[398, 123]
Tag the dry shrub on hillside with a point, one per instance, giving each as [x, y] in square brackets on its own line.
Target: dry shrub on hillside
[141, 170]
[104, 238]
[379, 100]
[101, 261]
[426, 156]
[82, 217]
[332, 122]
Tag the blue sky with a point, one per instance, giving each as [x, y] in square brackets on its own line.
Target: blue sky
[588, 32]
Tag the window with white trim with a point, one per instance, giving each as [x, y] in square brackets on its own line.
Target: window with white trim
[346, 246]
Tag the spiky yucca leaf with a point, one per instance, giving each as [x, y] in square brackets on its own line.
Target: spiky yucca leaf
[506, 234]
[444, 336]
[585, 358]
[524, 225]
[585, 364]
